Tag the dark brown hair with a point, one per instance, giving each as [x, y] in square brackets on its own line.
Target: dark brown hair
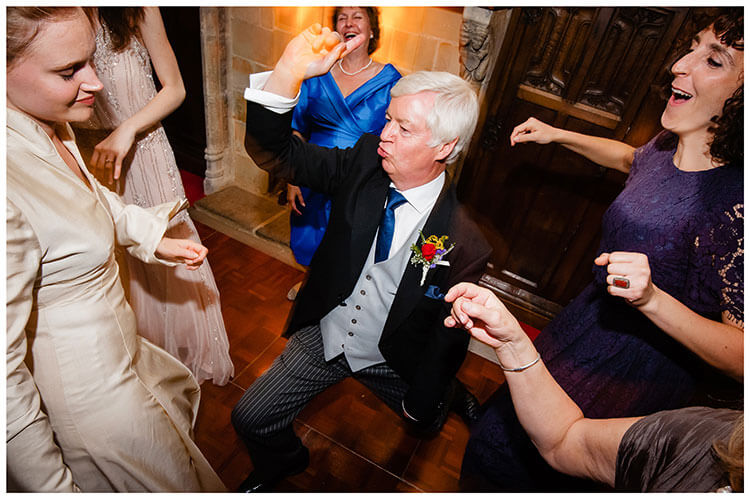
[23, 24]
[727, 145]
[374, 16]
[122, 23]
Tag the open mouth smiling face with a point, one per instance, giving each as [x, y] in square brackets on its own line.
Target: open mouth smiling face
[351, 22]
[679, 95]
[704, 79]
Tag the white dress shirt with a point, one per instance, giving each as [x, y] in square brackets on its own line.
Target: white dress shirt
[420, 201]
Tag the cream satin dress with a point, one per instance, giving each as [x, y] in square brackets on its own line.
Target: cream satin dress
[175, 308]
[91, 405]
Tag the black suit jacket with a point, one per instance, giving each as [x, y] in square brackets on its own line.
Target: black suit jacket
[414, 341]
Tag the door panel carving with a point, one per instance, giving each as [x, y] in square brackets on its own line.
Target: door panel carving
[627, 49]
[561, 38]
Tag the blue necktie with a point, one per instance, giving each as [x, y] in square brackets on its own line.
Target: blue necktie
[387, 222]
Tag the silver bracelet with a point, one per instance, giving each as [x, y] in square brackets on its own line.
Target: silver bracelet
[522, 368]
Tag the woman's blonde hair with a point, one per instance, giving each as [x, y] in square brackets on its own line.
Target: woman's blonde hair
[732, 455]
[24, 23]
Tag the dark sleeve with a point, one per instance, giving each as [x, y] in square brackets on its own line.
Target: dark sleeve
[447, 347]
[642, 155]
[638, 157]
[672, 451]
[272, 146]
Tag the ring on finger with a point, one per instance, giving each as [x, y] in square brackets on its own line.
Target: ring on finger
[108, 161]
[621, 282]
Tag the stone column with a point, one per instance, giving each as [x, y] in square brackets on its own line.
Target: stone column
[214, 49]
[482, 34]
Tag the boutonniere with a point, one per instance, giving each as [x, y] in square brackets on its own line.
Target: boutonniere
[430, 253]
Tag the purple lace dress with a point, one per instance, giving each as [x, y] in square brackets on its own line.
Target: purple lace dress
[609, 357]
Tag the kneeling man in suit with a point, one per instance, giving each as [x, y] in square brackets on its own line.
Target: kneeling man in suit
[372, 307]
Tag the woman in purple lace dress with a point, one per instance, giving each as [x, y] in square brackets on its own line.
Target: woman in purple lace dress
[662, 323]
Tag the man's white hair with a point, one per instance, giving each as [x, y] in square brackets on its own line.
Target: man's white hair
[456, 109]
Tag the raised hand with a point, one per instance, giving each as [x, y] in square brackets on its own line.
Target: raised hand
[482, 314]
[184, 251]
[311, 53]
[533, 130]
[629, 276]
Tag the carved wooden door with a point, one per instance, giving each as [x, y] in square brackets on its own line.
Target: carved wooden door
[592, 70]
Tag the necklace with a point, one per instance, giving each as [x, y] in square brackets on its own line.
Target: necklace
[357, 71]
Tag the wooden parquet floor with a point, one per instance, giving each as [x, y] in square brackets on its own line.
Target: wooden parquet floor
[357, 444]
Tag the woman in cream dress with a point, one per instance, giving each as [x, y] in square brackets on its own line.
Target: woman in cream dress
[178, 310]
[91, 405]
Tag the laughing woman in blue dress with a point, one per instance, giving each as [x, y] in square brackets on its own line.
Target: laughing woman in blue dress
[334, 110]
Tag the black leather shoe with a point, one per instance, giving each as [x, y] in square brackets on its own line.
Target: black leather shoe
[257, 482]
[465, 404]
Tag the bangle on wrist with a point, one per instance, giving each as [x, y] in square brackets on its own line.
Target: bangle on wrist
[522, 368]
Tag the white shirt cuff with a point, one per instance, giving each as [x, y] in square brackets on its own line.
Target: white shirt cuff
[272, 102]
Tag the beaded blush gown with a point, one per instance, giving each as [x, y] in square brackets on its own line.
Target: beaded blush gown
[176, 308]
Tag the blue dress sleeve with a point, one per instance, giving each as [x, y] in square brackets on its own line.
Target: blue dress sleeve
[300, 117]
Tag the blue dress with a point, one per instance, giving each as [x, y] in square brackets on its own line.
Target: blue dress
[327, 118]
[610, 359]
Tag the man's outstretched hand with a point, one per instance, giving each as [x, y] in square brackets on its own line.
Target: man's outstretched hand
[311, 53]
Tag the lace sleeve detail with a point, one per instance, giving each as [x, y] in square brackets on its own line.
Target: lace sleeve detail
[721, 249]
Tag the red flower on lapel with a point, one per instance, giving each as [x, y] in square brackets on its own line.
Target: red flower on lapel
[430, 254]
[428, 251]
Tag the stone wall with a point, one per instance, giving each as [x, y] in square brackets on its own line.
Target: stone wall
[412, 39]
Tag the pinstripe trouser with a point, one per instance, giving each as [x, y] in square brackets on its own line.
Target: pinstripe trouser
[263, 416]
